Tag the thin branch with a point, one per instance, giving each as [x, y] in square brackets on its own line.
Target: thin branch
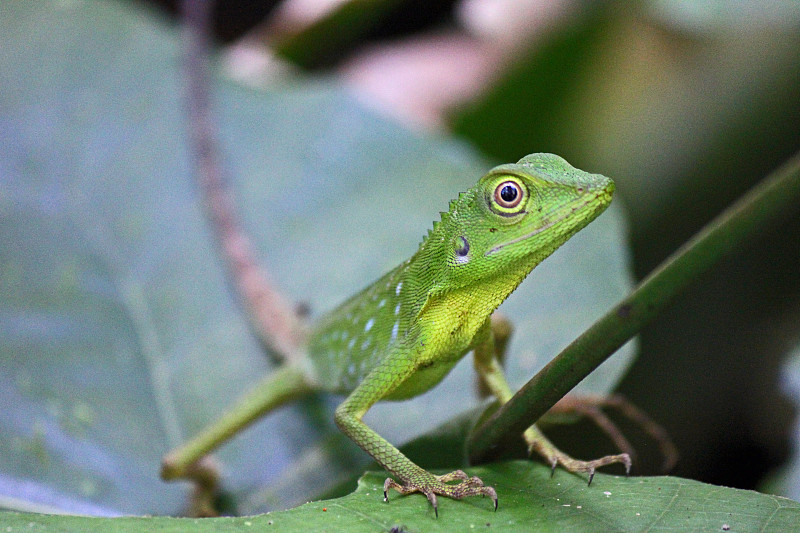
[273, 317]
[765, 203]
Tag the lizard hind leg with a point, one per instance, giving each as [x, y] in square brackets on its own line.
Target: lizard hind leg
[191, 461]
[279, 387]
[488, 355]
[590, 406]
[538, 443]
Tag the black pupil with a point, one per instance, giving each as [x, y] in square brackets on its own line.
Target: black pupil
[508, 193]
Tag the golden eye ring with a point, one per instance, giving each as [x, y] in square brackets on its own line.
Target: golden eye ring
[508, 194]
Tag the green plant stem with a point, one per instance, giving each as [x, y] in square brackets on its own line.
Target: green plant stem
[765, 203]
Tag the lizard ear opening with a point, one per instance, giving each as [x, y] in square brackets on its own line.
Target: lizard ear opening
[459, 254]
[462, 247]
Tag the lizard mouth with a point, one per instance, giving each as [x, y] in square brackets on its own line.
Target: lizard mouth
[544, 227]
[526, 236]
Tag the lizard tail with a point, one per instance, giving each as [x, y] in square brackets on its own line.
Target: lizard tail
[274, 318]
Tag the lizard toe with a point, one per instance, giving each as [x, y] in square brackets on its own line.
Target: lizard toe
[439, 485]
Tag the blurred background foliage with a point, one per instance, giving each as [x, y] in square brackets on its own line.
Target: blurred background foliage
[685, 104]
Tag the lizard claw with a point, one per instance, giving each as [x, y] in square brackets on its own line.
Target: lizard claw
[538, 443]
[433, 485]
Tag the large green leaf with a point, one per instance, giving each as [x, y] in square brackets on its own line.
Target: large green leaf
[530, 500]
[118, 335]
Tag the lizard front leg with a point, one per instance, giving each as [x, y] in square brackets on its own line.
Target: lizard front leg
[380, 382]
[488, 353]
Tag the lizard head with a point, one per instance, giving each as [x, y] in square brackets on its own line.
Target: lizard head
[516, 216]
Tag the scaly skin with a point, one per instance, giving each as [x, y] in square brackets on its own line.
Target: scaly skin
[401, 335]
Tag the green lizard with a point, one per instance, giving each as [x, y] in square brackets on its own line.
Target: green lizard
[401, 335]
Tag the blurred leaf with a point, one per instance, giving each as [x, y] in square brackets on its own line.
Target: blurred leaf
[118, 335]
[672, 115]
[786, 481]
[327, 37]
[530, 500]
[705, 17]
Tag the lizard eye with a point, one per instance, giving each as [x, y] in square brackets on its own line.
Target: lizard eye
[509, 198]
[508, 194]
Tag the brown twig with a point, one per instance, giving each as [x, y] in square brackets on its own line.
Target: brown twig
[272, 315]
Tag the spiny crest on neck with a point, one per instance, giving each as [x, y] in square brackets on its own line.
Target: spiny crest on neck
[445, 216]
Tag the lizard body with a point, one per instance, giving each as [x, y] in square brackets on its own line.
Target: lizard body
[448, 295]
[401, 335]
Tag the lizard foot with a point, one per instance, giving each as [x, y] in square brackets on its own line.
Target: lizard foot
[432, 485]
[591, 408]
[556, 457]
[540, 444]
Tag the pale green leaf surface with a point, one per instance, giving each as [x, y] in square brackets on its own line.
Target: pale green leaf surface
[530, 500]
[118, 333]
